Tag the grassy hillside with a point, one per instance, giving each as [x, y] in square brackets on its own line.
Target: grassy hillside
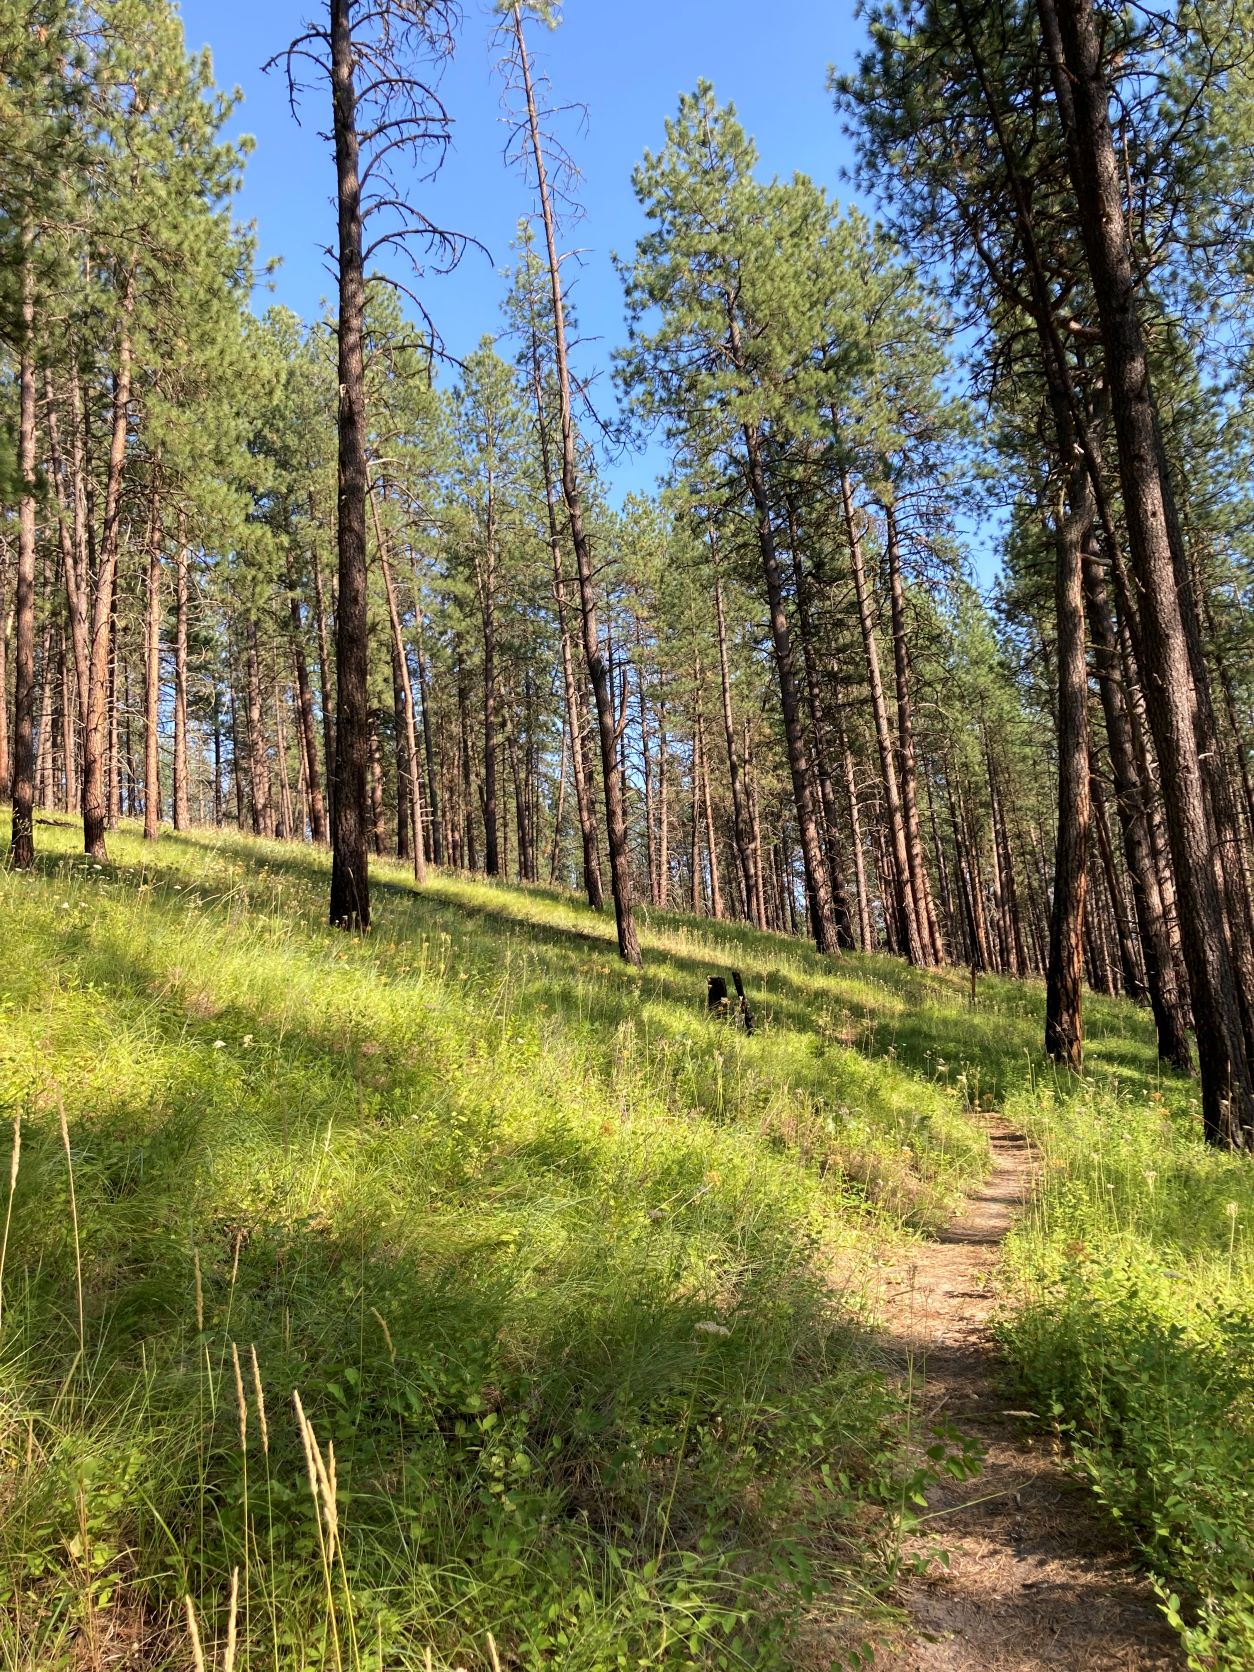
[564, 1275]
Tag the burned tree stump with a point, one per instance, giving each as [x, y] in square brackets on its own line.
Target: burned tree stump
[746, 1015]
[718, 1000]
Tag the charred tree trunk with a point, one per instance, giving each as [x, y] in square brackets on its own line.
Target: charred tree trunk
[350, 879]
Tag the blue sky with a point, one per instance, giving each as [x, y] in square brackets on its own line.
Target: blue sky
[626, 64]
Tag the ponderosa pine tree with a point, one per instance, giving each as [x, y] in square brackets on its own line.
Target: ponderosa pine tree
[381, 65]
[609, 722]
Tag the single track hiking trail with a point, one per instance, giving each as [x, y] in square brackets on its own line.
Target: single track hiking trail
[1035, 1577]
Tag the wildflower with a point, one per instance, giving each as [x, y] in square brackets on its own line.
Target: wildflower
[247, 1040]
[219, 1044]
[1232, 1210]
[710, 1328]
[65, 905]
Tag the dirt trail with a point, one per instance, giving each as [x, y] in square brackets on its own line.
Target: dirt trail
[1035, 1579]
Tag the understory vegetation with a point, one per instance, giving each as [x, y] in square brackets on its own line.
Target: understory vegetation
[1130, 1323]
[569, 1280]
[546, 1254]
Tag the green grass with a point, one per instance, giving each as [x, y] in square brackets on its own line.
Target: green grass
[567, 1276]
[546, 1253]
[1130, 1324]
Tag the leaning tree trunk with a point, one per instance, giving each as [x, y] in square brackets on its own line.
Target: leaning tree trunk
[1083, 95]
[350, 863]
[598, 670]
[592, 883]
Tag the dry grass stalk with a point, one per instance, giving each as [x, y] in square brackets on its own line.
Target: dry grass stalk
[193, 1632]
[228, 1664]
[78, 1251]
[241, 1402]
[8, 1212]
[261, 1403]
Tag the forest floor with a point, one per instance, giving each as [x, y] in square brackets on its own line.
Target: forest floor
[1032, 1574]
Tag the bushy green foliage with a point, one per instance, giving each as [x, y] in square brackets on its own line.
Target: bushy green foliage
[1131, 1325]
[545, 1252]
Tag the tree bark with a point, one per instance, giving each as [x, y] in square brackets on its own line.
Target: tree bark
[925, 915]
[909, 938]
[181, 598]
[1083, 97]
[350, 878]
[97, 795]
[607, 722]
[258, 751]
[1166, 1000]
[308, 727]
[750, 877]
[842, 921]
[22, 848]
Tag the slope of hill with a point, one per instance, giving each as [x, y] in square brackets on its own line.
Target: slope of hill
[459, 1281]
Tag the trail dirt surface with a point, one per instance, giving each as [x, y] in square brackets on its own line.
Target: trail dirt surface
[1035, 1577]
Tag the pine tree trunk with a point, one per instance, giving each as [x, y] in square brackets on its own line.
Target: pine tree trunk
[818, 890]
[650, 845]
[1083, 97]
[663, 810]
[258, 750]
[378, 827]
[1129, 968]
[325, 683]
[350, 879]
[750, 878]
[98, 796]
[865, 939]
[23, 831]
[181, 597]
[152, 677]
[711, 839]
[593, 886]
[920, 888]
[408, 782]
[1064, 1032]
[843, 923]
[6, 622]
[284, 828]
[1170, 1012]
[602, 690]
[307, 724]
[432, 838]
[907, 925]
